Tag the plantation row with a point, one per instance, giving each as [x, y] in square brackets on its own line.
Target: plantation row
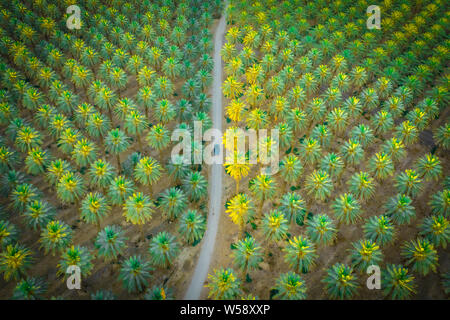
[108, 96]
[350, 104]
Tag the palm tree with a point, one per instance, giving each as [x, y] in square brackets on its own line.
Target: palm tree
[37, 160]
[397, 283]
[110, 242]
[158, 293]
[321, 229]
[440, 203]
[101, 173]
[232, 88]
[290, 286]
[163, 87]
[399, 208]
[117, 142]
[146, 99]
[332, 164]
[362, 134]
[94, 208]
[291, 169]
[56, 236]
[300, 254]
[106, 99]
[120, 189]
[70, 187]
[421, 254]
[27, 138]
[164, 111]
[361, 185]
[346, 208]
[310, 151]
[192, 226]
[138, 210]
[263, 188]
[408, 183]
[247, 255]
[296, 119]
[382, 122]
[195, 185]
[223, 284]
[147, 171]
[135, 273]
[407, 133]
[352, 152]
[38, 213]
[15, 259]
[76, 256]
[442, 136]
[364, 254]
[84, 152]
[9, 233]
[340, 281]
[158, 137]
[436, 229]
[319, 184]
[429, 167]
[97, 125]
[163, 249]
[381, 166]
[135, 123]
[30, 289]
[237, 166]
[240, 209]
[274, 226]
[395, 149]
[22, 195]
[379, 229]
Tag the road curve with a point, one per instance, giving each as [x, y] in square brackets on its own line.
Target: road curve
[215, 178]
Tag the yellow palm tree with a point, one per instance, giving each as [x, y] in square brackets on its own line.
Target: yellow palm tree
[237, 166]
[240, 209]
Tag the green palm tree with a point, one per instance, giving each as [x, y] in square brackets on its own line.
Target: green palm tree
[22, 195]
[338, 120]
[147, 171]
[399, 208]
[300, 254]
[274, 226]
[38, 213]
[27, 138]
[146, 99]
[381, 166]
[379, 229]
[173, 202]
[319, 185]
[440, 203]
[158, 293]
[297, 119]
[436, 229]
[15, 259]
[247, 255]
[163, 87]
[106, 99]
[408, 183]
[117, 142]
[97, 125]
[332, 164]
[362, 134]
[321, 229]
[163, 249]
[291, 169]
[293, 207]
[101, 173]
[290, 286]
[164, 111]
[346, 208]
[120, 189]
[158, 137]
[135, 273]
[70, 187]
[421, 254]
[84, 152]
[9, 233]
[352, 152]
[195, 185]
[263, 188]
[223, 284]
[429, 167]
[382, 122]
[56, 169]
[138, 209]
[30, 289]
[397, 283]
[192, 226]
[362, 185]
[94, 208]
[395, 149]
[177, 168]
[407, 133]
[364, 254]
[340, 281]
[310, 151]
[76, 256]
[56, 236]
[110, 243]
[442, 136]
